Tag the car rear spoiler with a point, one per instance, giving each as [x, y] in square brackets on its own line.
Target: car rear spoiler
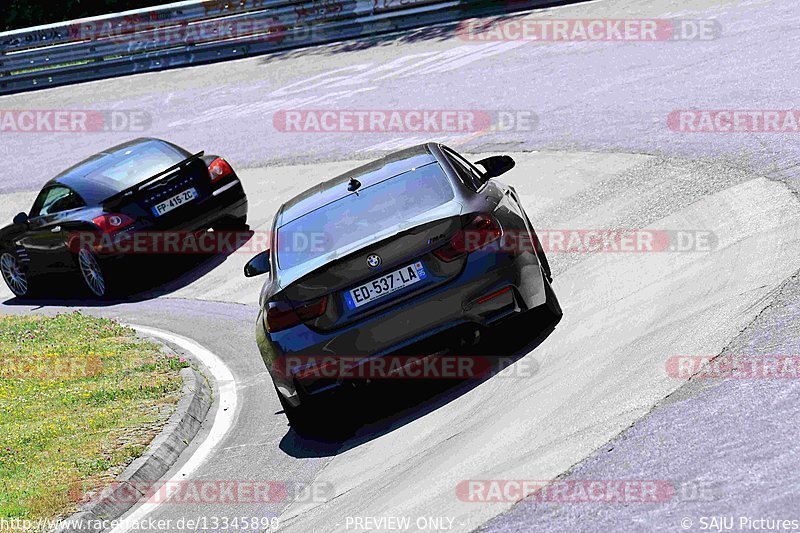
[139, 186]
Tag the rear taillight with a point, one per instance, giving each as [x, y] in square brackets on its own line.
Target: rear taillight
[481, 231]
[219, 169]
[110, 223]
[282, 315]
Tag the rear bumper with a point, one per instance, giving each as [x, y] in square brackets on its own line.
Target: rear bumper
[491, 287]
[227, 202]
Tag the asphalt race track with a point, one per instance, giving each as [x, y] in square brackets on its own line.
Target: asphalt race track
[591, 400]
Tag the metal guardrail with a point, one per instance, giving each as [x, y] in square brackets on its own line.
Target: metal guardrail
[197, 32]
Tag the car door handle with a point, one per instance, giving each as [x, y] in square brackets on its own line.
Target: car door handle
[56, 229]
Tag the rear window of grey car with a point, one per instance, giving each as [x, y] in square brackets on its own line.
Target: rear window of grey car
[376, 208]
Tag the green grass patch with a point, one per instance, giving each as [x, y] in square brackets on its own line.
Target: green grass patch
[80, 398]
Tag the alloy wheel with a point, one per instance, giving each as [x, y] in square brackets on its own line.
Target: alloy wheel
[13, 275]
[91, 272]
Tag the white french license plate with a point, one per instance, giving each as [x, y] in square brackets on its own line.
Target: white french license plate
[385, 285]
[176, 201]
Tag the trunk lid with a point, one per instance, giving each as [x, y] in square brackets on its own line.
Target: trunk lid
[403, 251]
[166, 199]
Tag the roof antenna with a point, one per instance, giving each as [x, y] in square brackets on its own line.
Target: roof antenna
[353, 185]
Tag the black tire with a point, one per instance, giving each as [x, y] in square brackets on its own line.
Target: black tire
[547, 315]
[552, 307]
[542, 257]
[300, 418]
[232, 224]
[17, 279]
[237, 226]
[316, 419]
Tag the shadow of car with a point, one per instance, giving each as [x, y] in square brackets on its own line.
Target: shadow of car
[165, 276]
[358, 417]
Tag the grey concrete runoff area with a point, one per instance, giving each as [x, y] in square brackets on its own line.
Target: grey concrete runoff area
[606, 404]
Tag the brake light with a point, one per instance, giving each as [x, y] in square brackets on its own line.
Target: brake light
[282, 315]
[219, 169]
[480, 232]
[109, 223]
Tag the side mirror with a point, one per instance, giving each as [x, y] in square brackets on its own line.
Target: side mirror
[257, 265]
[497, 165]
[21, 218]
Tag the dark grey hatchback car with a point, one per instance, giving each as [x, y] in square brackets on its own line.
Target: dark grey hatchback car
[419, 244]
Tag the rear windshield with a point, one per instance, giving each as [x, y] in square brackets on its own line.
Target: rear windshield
[125, 168]
[355, 217]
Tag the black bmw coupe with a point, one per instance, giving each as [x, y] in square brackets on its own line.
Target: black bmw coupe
[143, 186]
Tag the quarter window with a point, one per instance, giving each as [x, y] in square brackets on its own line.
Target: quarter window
[55, 200]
